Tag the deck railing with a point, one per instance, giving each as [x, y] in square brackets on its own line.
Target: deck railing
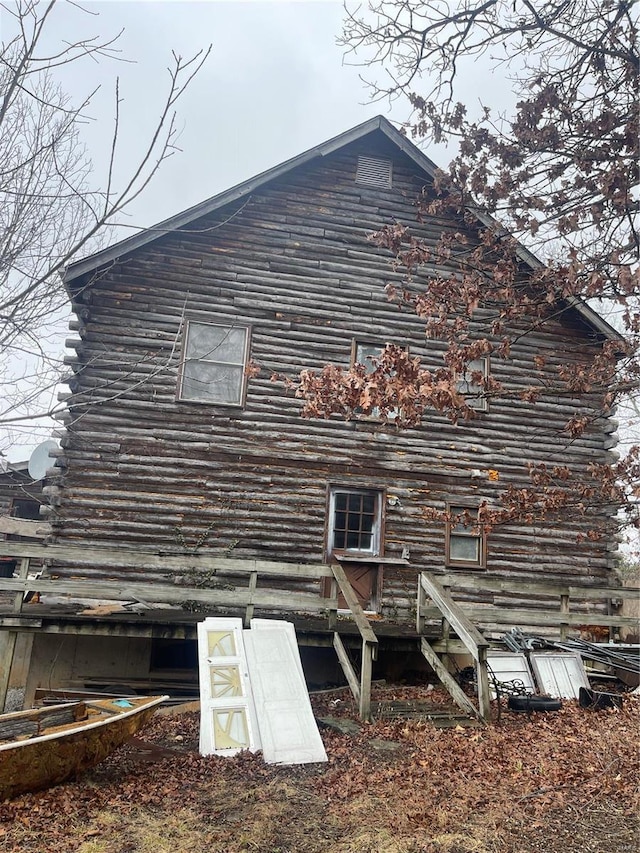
[454, 618]
[185, 578]
[550, 607]
[555, 608]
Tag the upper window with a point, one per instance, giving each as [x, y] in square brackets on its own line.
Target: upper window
[355, 520]
[374, 172]
[470, 384]
[465, 539]
[214, 361]
[363, 353]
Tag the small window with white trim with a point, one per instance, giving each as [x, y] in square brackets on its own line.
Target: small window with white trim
[214, 363]
[355, 521]
[465, 538]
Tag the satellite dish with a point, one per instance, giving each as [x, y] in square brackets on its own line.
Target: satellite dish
[40, 459]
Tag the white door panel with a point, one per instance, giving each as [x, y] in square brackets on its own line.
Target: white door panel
[227, 713]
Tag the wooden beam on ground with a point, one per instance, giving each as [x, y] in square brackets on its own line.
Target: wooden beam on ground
[457, 694]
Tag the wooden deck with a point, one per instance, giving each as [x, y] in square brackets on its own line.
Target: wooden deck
[449, 617]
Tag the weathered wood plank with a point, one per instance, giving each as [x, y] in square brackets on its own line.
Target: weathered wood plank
[347, 667]
[484, 583]
[364, 704]
[24, 527]
[139, 559]
[357, 613]
[455, 691]
[488, 615]
[455, 615]
[167, 594]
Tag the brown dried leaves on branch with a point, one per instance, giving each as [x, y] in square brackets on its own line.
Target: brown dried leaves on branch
[559, 173]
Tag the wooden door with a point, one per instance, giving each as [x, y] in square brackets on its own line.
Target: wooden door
[364, 578]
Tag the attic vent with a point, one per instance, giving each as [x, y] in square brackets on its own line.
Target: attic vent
[373, 172]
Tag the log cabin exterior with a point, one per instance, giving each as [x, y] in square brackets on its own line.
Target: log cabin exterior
[172, 445]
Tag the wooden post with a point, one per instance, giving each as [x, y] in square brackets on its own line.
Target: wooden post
[333, 613]
[564, 608]
[7, 648]
[365, 681]
[421, 599]
[8, 640]
[248, 614]
[482, 679]
[348, 670]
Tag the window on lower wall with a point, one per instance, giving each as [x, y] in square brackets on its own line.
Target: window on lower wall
[355, 522]
[26, 508]
[213, 363]
[465, 539]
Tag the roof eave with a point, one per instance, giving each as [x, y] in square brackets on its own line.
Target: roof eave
[111, 254]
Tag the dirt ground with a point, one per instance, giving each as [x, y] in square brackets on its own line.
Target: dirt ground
[562, 782]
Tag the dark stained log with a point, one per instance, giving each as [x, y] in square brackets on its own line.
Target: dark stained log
[294, 263]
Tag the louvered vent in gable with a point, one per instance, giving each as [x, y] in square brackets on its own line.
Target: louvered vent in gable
[374, 172]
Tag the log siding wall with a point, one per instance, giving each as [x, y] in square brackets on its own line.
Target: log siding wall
[293, 262]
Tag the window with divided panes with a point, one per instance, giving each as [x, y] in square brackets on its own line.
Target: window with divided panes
[362, 352]
[355, 519]
[470, 387]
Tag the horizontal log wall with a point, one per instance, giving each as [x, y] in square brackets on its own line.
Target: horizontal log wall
[293, 262]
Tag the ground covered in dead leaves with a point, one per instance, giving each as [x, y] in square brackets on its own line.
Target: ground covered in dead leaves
[564, 782]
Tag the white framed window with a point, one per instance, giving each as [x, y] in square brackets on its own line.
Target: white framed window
[213, 363]
[362, 352]
[465, 538]
[355, 521]
[470, 384]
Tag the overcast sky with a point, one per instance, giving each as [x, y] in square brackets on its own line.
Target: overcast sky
[276, 83]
